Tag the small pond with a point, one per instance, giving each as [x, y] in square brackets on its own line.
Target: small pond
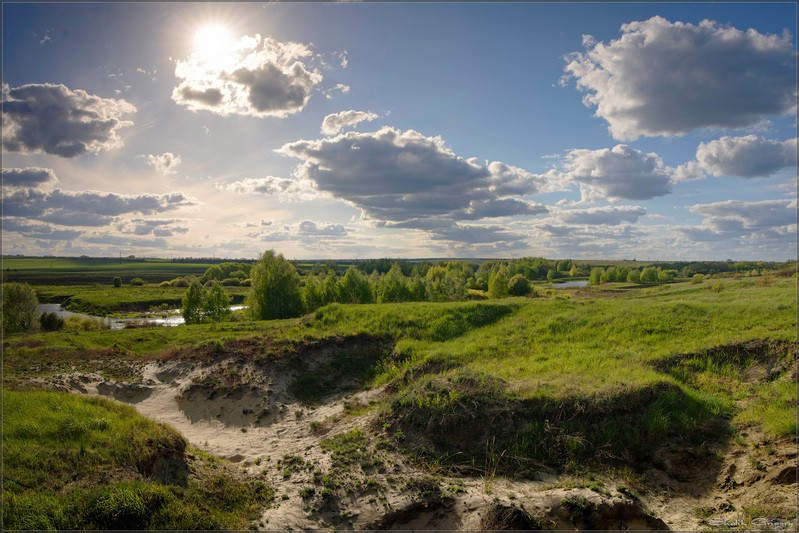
[570, 284]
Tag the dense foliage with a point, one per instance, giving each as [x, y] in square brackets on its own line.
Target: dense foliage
[20, 308]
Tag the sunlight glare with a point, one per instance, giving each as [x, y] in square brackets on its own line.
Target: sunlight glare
[212, 39]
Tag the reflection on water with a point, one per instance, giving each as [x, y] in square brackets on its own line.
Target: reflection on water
[567, 284]
[171, 317]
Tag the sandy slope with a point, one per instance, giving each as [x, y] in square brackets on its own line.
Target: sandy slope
[267, 431]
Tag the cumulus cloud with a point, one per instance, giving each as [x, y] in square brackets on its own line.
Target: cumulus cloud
[319, 229]
[87, 208]
[599, 216]
[57, 120]
[334, 123]
[406, 177]
[285, 188]
[159, 227]
[165, 163]
[618, 173]
[304, 231]
[28, 177]
[748, 157]
[731, 219]
[662, 78]
[255, 76]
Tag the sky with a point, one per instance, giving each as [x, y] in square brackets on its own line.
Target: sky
[649, 131]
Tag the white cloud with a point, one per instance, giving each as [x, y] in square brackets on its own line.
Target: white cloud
[28, 177]
[749, 157]
[661, 78]
[57, 120]
[285, 189]
[618, 173]
[334, 123]
[406, 177]
[165, 163]
[255, 76]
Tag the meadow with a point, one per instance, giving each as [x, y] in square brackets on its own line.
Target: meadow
[579, 382]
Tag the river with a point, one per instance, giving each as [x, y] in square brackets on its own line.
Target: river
[171, 317]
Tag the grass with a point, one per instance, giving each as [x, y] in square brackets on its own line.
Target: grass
[40, 270]
[586, 375]
[86, 463]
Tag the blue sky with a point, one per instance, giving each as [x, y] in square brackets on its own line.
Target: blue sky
[619, 130]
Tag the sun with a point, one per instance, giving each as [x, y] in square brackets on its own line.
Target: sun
[212, 40]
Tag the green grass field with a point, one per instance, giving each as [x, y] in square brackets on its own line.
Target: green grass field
[570, 380]
[89, 270]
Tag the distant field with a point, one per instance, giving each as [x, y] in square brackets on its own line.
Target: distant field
[45, 271]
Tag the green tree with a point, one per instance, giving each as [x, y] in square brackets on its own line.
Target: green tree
[214, 272]
[117, 281]
[216, 303]
[498, 285]
[20, 308]
[633, 276]
[275, 291]
[192, 305]
[596, 276]
[392, 287]
[649, 275]
[355, 288]
[519, 286]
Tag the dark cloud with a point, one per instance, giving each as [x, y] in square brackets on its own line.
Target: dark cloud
[598, 216]
[618, 173]
[256, 76]
[746, 217]
[39, 231]
[28, 177]
[661, 78]
[406, 178]
[159, 227]
[87, 208]
[57, 120]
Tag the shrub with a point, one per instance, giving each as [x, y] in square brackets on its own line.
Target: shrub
[231, 282]
[20, 308]
[519, 285]
[165, 284]
[51, 322]
[117, 281]
[696, 279]
[137, 281]
[180, 282]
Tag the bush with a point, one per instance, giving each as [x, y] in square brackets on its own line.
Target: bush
[51, 322]
[137, 281]
[696, 279]
[181, 282]
[117, 281]
[231, 282]
[165, 284]
[519, 285]
[20, 308]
